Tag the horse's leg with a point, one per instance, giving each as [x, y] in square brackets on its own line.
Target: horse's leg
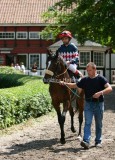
[80, 117]
[61, 120]
[80, 104]
[72, 119]
[63, 116]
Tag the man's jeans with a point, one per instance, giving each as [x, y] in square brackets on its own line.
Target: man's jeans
[93, 109]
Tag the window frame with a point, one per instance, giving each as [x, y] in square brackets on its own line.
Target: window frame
[39, 59]
[84, 65]
[8, 32]
[34, 32]
[99, 52]
[21, 38]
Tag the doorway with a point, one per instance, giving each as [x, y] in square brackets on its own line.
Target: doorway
[9, 59]
[22, 58]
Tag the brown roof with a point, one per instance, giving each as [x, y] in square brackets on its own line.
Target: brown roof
[23, 11]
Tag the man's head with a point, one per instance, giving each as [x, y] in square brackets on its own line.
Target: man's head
[91, 69]
[65, 36]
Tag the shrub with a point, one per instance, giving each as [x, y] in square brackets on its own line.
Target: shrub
[8, 70]
[26, 96]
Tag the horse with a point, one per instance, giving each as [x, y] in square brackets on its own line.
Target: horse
[56, 70]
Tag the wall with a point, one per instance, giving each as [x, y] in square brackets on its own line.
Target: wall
[112, 74]
[112, 61]
[26, 45]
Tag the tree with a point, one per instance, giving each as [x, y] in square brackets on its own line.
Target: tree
[86, 19]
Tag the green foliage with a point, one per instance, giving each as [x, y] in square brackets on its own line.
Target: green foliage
[8, 70]
[87, 20]
[17, 104]
[10, 80]
[14, 110]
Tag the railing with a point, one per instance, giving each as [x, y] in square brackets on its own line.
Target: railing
[38, 73]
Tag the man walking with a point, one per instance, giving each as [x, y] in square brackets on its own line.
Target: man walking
[95, 87]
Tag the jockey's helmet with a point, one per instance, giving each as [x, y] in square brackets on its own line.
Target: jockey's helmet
[65, 34]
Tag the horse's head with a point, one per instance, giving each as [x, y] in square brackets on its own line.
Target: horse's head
[55, 67]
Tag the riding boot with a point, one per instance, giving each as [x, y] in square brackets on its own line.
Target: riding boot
[78, 75]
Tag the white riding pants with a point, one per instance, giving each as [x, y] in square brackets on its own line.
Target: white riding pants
[72, 67]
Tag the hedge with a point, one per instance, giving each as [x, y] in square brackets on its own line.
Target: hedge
[24, 97]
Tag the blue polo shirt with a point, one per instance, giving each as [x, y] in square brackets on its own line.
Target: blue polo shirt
[92, 85]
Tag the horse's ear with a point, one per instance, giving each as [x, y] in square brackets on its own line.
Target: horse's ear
[50, 54]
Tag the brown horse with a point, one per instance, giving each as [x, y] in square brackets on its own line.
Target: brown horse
[56, 71]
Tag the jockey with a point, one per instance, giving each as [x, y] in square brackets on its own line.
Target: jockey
[69, 52]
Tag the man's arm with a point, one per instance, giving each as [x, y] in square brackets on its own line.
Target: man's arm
[70, 85]
[107, 90]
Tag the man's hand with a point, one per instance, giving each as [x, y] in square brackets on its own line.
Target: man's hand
[62, 83]
[98, 94]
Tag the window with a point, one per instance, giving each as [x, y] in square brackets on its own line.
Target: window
[85, 57]
[98, 58]
[48, 36]
[34, 35]
[21, 35]
[7, 35]
[23, 58]
[34, 58]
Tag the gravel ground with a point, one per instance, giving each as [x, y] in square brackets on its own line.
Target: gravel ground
[39, 139]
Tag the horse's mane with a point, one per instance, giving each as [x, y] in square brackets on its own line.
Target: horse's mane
[63, 61]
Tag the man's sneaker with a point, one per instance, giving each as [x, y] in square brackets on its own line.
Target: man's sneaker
[85, 145]
[98, 145]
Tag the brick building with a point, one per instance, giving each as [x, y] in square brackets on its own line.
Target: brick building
[21, 23]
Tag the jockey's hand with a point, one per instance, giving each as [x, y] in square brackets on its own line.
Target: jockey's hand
[62, 83]
[68, 62]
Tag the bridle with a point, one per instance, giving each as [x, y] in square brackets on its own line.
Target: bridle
[62, 73]
[49, 72]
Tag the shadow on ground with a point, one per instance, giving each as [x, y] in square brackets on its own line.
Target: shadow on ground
[39, 145]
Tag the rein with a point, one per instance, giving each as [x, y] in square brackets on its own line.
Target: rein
[52, 73]
[62, 73]
[67, 87]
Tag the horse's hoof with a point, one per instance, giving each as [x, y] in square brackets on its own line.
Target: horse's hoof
[79, 138]
[62, 141]
[73, 129]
